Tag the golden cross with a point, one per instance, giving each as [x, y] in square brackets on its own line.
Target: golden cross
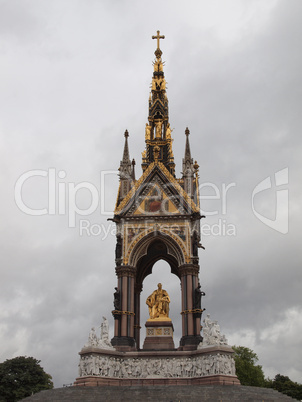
[158, 37]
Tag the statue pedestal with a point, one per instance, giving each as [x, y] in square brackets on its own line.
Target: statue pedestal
[210, 365]
[159, 334]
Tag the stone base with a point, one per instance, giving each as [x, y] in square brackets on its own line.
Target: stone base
[213, 365]
[192, 393]
[190, 342]
[159, 335]
[123, 343]
[92, 381]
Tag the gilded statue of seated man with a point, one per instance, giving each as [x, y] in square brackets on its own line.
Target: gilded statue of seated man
[158, 303]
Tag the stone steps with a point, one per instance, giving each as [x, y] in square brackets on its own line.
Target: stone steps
[165, 393]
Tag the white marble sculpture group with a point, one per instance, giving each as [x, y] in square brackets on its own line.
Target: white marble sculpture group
[211, 334]
[102, 365]
[103, 341]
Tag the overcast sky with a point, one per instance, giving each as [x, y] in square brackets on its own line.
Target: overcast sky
[74, 75]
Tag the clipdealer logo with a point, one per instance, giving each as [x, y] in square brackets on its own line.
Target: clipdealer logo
[281, 208]
[62, 200]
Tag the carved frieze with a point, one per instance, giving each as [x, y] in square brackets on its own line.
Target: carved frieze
[144, 367]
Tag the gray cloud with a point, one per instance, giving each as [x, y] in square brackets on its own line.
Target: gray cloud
[74, 76]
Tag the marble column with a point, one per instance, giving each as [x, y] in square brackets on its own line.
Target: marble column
[124, 318]
[137, 294]
[190, 333]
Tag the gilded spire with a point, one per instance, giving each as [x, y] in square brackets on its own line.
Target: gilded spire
[158, 130]
[158, 102]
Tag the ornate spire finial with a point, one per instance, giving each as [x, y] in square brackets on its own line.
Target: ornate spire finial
[126, 158]
[187, 167]
[187, 149]
[158, 52]
[126, 174]
[158, 37]
[133, 169]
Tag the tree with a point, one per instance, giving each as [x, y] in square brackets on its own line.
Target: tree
[247, 371]
[21, 377]
[283, 384]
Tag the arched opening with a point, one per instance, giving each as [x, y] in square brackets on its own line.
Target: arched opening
[166, 249]
[156, 250]
[156, 254]
[161, 272]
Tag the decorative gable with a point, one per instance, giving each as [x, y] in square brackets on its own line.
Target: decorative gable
[157, 192]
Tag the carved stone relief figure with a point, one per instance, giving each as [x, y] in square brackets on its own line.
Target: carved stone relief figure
[104, 341]
[92, 338]
[116, 367]
[105, 330]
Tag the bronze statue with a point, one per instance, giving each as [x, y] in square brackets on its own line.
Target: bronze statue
[158, 303]
[119, 246]
[195, 244]
[198, 293]
[117, 299]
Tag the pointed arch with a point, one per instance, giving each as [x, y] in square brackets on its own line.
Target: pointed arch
[153, 247]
